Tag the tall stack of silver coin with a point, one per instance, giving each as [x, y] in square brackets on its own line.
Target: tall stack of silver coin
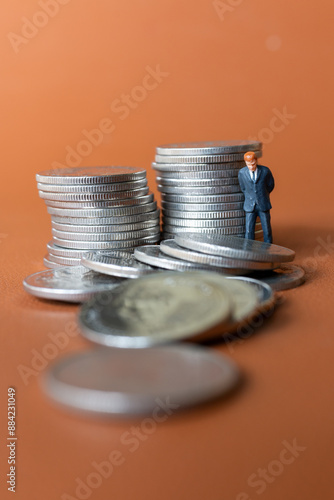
[97, 208]
[199, 187]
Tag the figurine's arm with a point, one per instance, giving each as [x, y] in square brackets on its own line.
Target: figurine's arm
[241, 182]
[270, 182]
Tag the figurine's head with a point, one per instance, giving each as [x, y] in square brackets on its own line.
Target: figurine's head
[251, 160]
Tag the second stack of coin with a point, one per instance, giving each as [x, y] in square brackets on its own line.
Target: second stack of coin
[199, 187]
[97, 208]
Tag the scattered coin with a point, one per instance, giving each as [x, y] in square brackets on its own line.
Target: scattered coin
[229, 246]
[152, 256]
[116, 263]
[283, 278]
[70, 284]
[171, 248]
[123, 382]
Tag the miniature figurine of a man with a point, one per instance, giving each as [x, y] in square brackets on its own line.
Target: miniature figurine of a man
[256, 182]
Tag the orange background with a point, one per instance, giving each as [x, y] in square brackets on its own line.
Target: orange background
[232, 67]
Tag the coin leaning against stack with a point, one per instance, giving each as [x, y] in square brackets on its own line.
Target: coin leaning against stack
[199, 187]
[97, 208]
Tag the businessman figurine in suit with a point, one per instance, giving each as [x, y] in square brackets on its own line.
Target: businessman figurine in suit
[256, 182]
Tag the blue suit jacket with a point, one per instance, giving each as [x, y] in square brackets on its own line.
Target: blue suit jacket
[256, 193]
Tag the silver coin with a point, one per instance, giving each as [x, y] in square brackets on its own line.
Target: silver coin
[122, 220]
[195, 167]
[70, 284]
[158, 308]
[63, 252]
[209, 148]
[204, 223]
[91, 188]
[171, 248]
[51, 265]
[200, 174]
[113, 204]
[125, 382]
[63, 261]
[47, 195]
[167, 235]
[106, 245]
[237, 248]
[201, 207]
[91, 175]
[193, 191]
[286, 277]
[236, 231]
[116, 264]
[125, 235]
[182, 214]
[186, 198]
[152, 256]
[104, 228]
[233, 157]
[117, 211]
[182, 183]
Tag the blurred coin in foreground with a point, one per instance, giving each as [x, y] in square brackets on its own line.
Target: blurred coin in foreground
[156, 381]
[156, 309]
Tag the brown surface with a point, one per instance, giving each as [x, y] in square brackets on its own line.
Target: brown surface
[225, 81]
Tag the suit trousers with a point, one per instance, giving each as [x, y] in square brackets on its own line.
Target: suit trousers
[265, 222]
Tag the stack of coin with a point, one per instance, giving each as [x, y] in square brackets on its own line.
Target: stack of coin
[97, 208]
[199, 187]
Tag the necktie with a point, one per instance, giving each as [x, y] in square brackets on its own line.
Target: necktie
[253, 176]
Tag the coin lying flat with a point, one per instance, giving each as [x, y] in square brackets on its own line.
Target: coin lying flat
[99, 237]
[116, 195]
[156, 309]
[116, 263]
[193, 183]
[117, 211]
[200, 174]
[286, 277]
[167, 235]
[70, 284]
[123, 382]
[186, 198]
[183, 214]
[201, 207]
[232, 157]
[64, 261]
[49, 264]
[121, 220]
[91, 175]
[105, 228]
[194, 191]
[195, 167]
[215, 223]
[105, 245]
[208, 148]
[171, 248]
[91, 188]
[152, 256]
[229, 246]
[237, 230]
[114, 203]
